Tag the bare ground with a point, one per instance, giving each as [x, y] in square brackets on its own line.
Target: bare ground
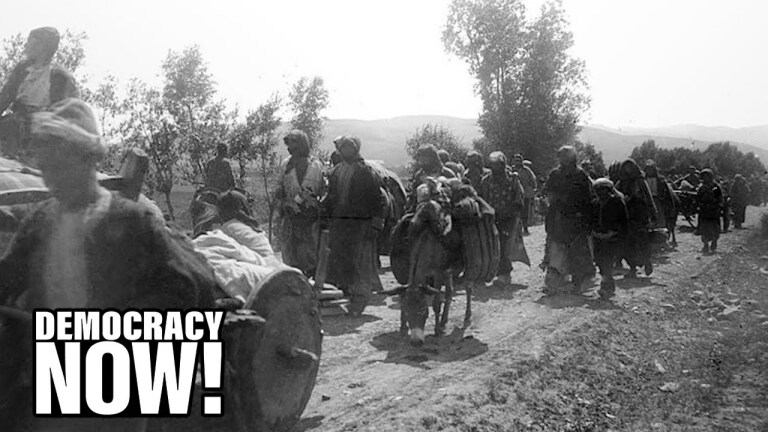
[684, 349]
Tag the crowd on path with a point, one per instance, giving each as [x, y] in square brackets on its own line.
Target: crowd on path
[590, 221]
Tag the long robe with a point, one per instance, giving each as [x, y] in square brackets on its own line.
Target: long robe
[356, 207]
[568, 224]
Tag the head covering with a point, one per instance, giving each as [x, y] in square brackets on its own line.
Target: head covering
[300, 141]
[603, 183]
[429, 152]
[497, 156]
[71, 124]
[49, 37]
[444, 156]
[630, 170]
[474, 158]
[348, 140]
[706, 172]
[234, 205]
[570, 152]
[299, 150]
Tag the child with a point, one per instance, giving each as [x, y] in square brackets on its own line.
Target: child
[609, 233]
[709, 198]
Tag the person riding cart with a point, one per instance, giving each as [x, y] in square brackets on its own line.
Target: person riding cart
[33, 85]
[85, 248]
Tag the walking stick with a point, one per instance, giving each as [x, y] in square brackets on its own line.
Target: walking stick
[322, 260]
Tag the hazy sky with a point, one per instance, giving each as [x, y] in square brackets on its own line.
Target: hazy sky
[650, 62]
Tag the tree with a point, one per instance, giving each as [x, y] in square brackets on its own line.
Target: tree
[533, 90]
[109, 110]
[589, 152]
[307, 99]
[202, 122]
[439, 136]
[266, 121]
[151, 127]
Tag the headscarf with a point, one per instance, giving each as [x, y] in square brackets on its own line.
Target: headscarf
[49, 37]
[650, 163]
[571, 152]
[429, 152]
[348, 140]
[234, 205]
[474, 159]
[71, 124]
[630, 170]
[299, 153]
[495, 158]
[603, 183]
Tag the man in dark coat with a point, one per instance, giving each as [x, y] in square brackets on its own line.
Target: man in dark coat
[709, 198]
[609, 233]
[33, 85]
[356, 206]
[86, 248]
[740, 198]
[568, 223]
[502, 190]
[218, 171]
[528, 181]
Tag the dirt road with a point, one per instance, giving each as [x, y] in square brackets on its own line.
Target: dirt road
[683, 349]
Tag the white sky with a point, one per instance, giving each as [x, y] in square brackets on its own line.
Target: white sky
[650, 62]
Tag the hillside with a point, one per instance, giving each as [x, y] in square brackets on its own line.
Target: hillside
[385, 139]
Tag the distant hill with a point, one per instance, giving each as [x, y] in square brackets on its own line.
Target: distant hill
[385, 139]
[755, 135]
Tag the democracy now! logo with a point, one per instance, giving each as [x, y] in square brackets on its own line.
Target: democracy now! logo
[92, 363]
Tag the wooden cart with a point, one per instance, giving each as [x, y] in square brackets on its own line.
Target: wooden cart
[272, 345]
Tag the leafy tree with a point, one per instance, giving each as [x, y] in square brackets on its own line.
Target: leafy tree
[589, 152]
[266, 121]
[188, 96]
[151, 127]
[722, 157]
[439, 136]
[533, 90]
[307, 99]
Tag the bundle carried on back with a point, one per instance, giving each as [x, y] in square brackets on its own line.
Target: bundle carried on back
[460, 218]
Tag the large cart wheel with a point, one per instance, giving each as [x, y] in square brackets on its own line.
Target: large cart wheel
[276, 366]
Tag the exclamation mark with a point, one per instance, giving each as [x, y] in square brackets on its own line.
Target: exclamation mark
[212, 376]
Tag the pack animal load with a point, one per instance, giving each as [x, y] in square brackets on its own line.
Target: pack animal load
[451, 232]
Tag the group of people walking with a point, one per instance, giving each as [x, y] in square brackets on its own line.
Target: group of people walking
[589, 221]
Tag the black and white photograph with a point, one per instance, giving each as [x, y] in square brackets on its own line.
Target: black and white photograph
[368, 215]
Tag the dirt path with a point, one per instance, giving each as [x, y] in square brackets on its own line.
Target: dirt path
[530, 362]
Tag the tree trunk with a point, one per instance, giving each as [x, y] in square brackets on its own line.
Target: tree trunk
[169, 205]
